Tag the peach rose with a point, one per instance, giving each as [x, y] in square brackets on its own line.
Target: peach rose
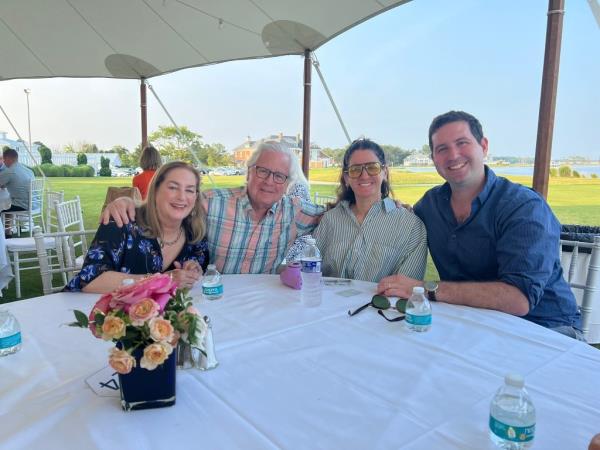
[160, 329]
[155, 354]
[113, 328]
[142, 311]
[121, 361]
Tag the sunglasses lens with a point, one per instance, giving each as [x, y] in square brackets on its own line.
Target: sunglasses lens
[401, 305]
[354, 171]
[380, 302]
[373, 168]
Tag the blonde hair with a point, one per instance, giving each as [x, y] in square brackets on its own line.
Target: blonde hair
[146, 215]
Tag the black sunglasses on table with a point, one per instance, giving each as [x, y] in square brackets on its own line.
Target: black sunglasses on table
[381, 302]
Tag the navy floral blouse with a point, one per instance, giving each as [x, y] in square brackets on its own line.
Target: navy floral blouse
[127, 250]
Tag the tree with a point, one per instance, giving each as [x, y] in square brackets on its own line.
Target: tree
[564, 171]
[86, 147]
[395, 154]
[336, 154]
[104, 167]
[81, 159]
[45, 153]
[176, 144]
[128, 159]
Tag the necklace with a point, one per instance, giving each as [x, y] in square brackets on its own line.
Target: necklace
[162, 242]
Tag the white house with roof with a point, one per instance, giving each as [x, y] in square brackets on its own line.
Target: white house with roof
[417, 158]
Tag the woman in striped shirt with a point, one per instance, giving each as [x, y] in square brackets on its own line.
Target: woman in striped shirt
[366, 235]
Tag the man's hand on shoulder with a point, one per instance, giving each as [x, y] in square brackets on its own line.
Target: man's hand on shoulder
[121, 210]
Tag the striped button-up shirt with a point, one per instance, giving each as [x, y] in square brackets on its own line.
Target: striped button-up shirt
[390, 240]
[238, 243]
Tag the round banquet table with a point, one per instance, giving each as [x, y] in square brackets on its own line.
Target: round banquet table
[302, 378]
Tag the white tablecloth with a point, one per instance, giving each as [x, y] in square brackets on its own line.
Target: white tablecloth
[299, 378]
[5, 269]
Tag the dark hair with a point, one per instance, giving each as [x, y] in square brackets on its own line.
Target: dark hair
[455, 116]
[150, 159]
[10, 152]
[345, 192]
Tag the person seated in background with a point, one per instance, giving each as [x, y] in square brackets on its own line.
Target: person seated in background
[249, 229]
[168, 236]
[150, 161]
[367, 235]
[16, 178]
[301, 190]
[493, 242]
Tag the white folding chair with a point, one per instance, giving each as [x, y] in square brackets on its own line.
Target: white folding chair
[582, 272]
[48, 268]
[69, 217]
[35, 209]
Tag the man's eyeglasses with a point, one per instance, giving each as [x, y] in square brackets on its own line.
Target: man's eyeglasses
[381, 302]
[264, 173]
[356, 170]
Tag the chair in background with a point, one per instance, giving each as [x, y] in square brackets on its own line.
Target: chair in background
[52, 197]
[69, 217]
[49, 270]
[581, 265]
[35, 209]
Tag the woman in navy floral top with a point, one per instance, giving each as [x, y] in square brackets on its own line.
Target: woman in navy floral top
[169, 236]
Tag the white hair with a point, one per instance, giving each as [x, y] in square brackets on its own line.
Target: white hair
[295, 174]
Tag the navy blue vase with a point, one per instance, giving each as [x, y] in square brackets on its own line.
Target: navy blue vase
[144, 389]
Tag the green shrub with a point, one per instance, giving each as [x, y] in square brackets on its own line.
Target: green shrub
[553, 172]
[83, 171]
[81, 159]
[564, 171]
[53, 171]
[594, 175]
[576, 174]
[104, 167]
[67, 170]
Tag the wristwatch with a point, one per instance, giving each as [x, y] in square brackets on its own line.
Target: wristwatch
[431, 288]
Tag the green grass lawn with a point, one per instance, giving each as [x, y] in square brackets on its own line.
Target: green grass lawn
[572, 200]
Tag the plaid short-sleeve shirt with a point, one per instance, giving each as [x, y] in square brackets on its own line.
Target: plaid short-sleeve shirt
[240, 244]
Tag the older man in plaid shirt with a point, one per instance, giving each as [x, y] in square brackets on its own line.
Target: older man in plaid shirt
[249, 229]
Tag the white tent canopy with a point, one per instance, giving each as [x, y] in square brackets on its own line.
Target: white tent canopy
[145, 38]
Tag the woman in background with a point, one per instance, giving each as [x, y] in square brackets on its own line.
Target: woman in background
[150, 161]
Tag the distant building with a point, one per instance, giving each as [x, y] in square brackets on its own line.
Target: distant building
[58, 158]
[318, 160]
[417, 158]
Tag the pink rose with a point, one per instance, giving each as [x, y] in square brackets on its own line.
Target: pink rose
[143, 310]
[161, 329]
[121, 361]
[159, 287]
[113, 328]
[101, 306]
[155, 354]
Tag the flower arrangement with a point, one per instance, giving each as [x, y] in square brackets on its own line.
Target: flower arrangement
[152, 315]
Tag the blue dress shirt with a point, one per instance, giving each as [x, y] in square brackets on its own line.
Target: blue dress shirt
[510, 236]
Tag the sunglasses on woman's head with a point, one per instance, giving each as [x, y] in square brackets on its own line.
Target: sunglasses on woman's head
[381, 302]
[356, 170]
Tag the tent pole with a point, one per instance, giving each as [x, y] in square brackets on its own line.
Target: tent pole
[143, 107]
[306, 123]
[543, 148]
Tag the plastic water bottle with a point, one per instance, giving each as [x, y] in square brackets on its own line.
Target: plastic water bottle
[418, 311]
[212, 285]
[10, 333]
[311, 274]
[512, 415]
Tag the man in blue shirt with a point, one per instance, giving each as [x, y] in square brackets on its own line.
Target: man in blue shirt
[494, 242]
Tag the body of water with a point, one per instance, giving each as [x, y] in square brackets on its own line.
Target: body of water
[519, 170]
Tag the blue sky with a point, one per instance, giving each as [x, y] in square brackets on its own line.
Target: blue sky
[389, 76]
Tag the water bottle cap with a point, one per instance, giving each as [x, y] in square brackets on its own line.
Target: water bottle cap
[211, 266]
[514, 379]
[418, 290]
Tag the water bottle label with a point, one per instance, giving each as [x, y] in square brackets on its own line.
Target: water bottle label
[10, 341]
[415, 319]
[510, 433]
[212, 290]
[311, 266]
